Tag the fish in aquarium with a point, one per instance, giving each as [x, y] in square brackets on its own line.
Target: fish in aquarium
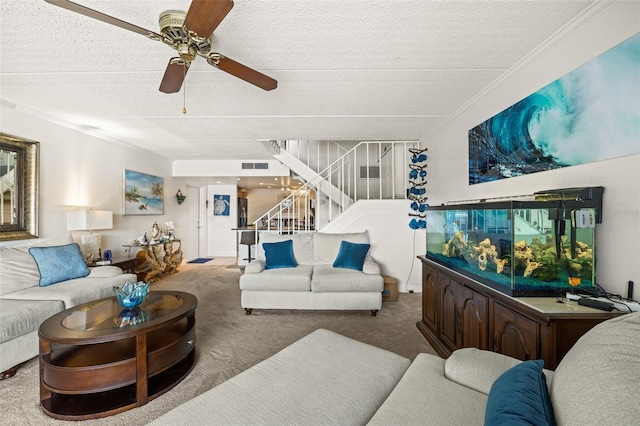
[538, 260]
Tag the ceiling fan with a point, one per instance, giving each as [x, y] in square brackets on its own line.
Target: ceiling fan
[190, 34]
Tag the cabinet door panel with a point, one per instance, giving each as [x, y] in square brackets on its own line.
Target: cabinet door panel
[430, 298]
[475, 319]
[450, 315]
[515, 335]
[460, 312]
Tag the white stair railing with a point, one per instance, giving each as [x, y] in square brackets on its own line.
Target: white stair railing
[369, 170]
[314, 154]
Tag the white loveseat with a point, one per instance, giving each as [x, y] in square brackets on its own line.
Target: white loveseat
[314, 283]
[24, 304]
[329, 379]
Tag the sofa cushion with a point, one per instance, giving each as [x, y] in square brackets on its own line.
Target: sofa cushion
[289, 279]
[59, 263]
[327, 246]
[104, 271]
[307, 300]
[351, 255]
[326, 278]
[302, 245]
[520, 397]
[370, 266]
[279, 255]
[254, 267]
[19, 317]
[74, 292]
[303, 384]
[424, 396]
[18, 269]
[477, 369]
[602, 373]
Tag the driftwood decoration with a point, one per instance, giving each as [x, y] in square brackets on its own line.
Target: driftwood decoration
[159, 260]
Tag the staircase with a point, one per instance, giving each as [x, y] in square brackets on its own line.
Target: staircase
[337, 176]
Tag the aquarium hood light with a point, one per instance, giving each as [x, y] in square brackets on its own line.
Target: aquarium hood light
[589, 193]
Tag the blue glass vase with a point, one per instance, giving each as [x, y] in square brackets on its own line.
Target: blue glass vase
[131, 294]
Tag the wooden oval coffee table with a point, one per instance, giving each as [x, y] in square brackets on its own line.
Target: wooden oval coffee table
[98, 359]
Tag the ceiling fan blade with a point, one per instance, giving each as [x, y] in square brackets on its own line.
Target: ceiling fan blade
[65, 4]
[174, 75]
[204, 16]
[242, 71]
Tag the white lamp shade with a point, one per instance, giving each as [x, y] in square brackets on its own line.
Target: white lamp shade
[82, 220]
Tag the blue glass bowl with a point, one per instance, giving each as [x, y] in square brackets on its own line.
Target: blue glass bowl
[131, 294]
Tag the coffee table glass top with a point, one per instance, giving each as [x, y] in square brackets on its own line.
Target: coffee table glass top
[108, 313]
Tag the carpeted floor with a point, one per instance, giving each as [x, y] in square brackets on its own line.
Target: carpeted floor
[228, 342]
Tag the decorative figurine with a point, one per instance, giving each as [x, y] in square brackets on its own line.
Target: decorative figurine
[155, 231]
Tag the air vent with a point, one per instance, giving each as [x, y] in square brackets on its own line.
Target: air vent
[374, 172]
[255, 166]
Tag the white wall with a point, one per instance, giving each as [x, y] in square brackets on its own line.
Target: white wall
[394, 245]
[82, 171]
[220, 234]
[618, 237]
[233, 168]
[261, 200]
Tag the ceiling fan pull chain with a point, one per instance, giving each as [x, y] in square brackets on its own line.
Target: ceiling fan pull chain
[184, 90]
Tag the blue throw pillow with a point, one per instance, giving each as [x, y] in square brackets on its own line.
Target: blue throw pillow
[351, 255]
[59, 263]
[520, 397]
[279, 255]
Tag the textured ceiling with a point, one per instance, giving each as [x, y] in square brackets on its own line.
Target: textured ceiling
[346, 70]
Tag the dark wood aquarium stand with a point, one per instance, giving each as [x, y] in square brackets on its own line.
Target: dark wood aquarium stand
[95, 362]
[458, 312]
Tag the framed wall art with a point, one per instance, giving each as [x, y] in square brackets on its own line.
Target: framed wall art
[221, 205]
[588, 115]
[143, 194]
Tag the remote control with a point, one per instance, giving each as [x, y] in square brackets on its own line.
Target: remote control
[593, 303]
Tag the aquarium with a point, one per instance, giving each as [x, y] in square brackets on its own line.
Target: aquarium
[521, 248]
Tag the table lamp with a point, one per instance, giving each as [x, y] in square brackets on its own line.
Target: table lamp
[89, 220]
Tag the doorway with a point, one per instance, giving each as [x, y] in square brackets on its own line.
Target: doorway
[196, 240]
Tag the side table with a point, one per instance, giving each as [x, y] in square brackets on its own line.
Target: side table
[390, 292]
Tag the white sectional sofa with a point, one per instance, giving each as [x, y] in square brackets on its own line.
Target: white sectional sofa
[314, 283]
[24, 304]
[328, 379]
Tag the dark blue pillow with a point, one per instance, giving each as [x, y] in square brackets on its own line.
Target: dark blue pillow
[279, 255]
[351, 255]
[59, 263]
[520, 397]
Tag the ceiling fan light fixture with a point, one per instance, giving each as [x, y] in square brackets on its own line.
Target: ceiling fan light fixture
[187, 52]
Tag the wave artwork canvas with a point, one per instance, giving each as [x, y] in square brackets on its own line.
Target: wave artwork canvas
[590, 114]
[143, 194]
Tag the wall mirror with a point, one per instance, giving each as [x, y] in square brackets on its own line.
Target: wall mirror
[19, 184]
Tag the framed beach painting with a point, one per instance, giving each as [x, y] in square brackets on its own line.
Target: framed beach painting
[143, 194]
